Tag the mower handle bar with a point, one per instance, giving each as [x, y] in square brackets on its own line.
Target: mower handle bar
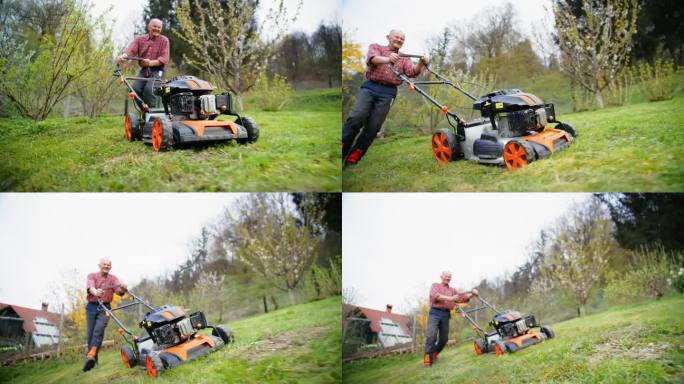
[110, 312]
[485, 305]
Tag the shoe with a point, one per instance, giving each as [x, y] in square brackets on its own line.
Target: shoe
[434, 356]
[427, 360]
[89, 364]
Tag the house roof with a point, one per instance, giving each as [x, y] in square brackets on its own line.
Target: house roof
[29, 315]
[376, 316]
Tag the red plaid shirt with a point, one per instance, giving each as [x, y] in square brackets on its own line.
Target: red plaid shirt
[381, 73]
[441, 289]
[98, 281]
[151, 49]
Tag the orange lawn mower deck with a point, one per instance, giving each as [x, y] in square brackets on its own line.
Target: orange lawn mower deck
[514, 129]
[511, 330]
[173, 337]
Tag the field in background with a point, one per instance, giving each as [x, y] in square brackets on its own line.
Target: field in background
[298, 150]
[636, 147]
[642, 342]
[298, 344]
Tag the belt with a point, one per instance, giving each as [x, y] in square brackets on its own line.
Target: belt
[441, 309]
[383, 84]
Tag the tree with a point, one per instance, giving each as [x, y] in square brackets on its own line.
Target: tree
[327, 50]
[579, 251]
[596, 43]
[647, 219]
[226, 42]
[352, 58]
[35, 86]
[96, 88]
[269, 237]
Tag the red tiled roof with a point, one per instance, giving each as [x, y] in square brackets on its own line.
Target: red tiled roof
[375, 316]
[29, 315]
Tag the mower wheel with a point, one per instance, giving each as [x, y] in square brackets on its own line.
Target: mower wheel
[132, 127]
[546, 330]
[224, 333]
[252, 130]
[128, 357]
[153, 364]
[480, 347]
[444, 145]
[499, 347]
[567, 128]
[162, 133]
[219, 342]
[517, 154]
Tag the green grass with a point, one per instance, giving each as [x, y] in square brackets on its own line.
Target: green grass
[298, 150]
[637, 343]
[634, 148]
[298, 344]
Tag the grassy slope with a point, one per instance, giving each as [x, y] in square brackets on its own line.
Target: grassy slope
[298, 151]
[637, 147]
[641, 343]
[299, 344]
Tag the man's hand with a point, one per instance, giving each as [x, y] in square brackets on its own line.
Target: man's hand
[145, 63]
[425, 60]
[121, 58]
[393, 58]
[96, 292]
[474, 292]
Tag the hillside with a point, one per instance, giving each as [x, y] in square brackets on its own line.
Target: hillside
[641, 342]
[634, 148]
[298, 344]
[297, 151]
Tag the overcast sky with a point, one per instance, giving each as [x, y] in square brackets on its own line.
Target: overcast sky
[45, 235]
[128, 14]
[395, 245]
[368, 22]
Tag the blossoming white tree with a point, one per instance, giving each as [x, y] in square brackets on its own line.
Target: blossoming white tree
[596, 45]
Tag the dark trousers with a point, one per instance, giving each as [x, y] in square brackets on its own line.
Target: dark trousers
[96, 322]
[145, 89]
[438, 322]
[364, 121]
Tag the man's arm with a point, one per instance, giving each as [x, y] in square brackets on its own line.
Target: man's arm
[90, 286]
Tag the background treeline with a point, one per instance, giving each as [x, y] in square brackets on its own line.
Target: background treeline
[611, 249]
[57, 58]
[265, 252]
[595, 54]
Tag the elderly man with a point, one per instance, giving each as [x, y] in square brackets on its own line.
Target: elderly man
[101, 285]
[376, 95]
[443, 299]
[154, 49]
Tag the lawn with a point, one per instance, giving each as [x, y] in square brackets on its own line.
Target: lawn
[298, 150]
[637, 343]
[634, 148]
[298, 344]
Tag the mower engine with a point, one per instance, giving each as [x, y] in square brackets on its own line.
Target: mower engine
[512, 324]
[169, 326]
[188, 97]
[514, 113]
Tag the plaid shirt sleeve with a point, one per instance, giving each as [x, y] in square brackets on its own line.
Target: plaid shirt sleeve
[408, 68]
[133, 47]
[373, 50]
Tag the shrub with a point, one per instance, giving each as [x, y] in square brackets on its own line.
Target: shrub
[648, 277]
[676, 280]
[660, 81]
[620, 92]
[272, 96]
[582, 100]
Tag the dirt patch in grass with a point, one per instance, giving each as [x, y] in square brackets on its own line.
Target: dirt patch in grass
[624, 343]
[283, 342]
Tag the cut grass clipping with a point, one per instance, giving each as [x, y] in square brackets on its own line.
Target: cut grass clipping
[298, 150]
[298, 344]
[636, 343]
[635, 148]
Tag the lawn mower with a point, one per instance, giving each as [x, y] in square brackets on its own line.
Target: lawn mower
[513, 129]
[172, 339]
[512, 331]
[187, 114]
